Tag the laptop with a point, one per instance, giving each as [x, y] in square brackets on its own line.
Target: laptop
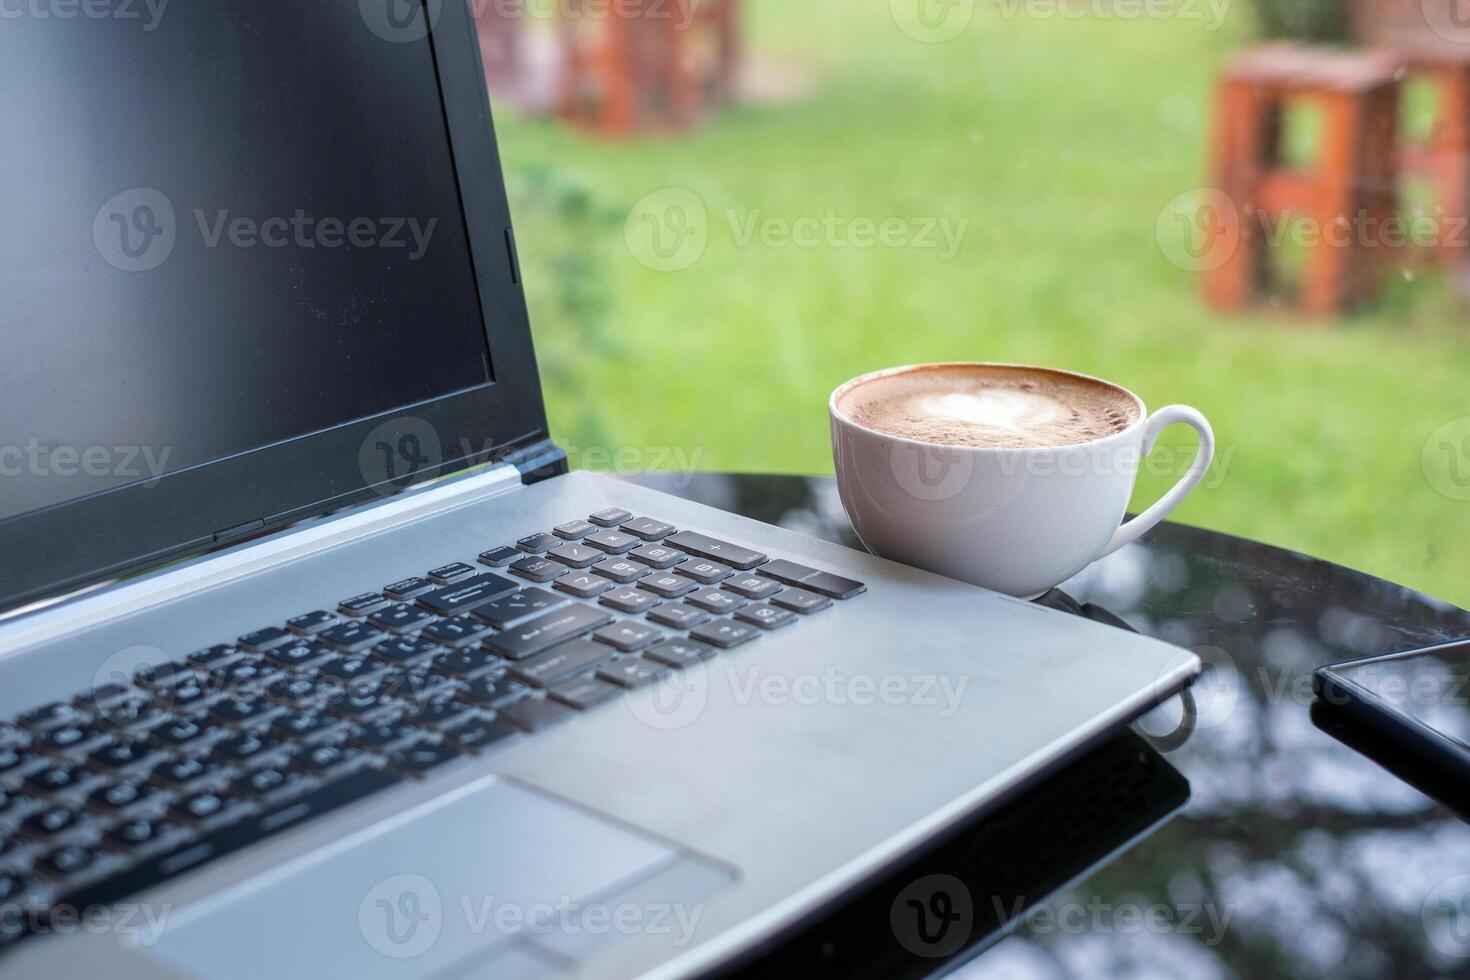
[315, 659]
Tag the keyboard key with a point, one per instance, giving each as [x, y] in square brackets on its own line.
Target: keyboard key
[490, 692]
[800, 601]
[536, 714]
[680, 653]
[472, 591]
[621, 570]
[499, 557]
[419, 759]
[136, 714]
[49, 716]
[584, 585]
[669, 585]
[361, 605]
[114, 797]
[52, 820]
[751, 586]
[68, 862]
[122, 754]
[451, 573]
[355, 668]
[704, 571]
[246, 749]
[17, 762]
[245, 710]
[464, 664]
[547, 630]
[560, 663]
[405, 651]
[657, 556]
[715, 600]
[180, 773]
[187, 696]
[538, 569]
[716, 550]
[156, 676]
[319, 760]
[766, 617]
[455, 632]
[58, 779]
[297, 656]
[408, 588]
[628, 635]
[586, 693]
[350, 637]
[480, 734]
[574, 530]
[99, 698]
[205, 806]
[443, 713]
[362, 704]
[385, 735]
[183, 733]
[243, 678]
[632, 673]
[72, 739]
[215, 656]
[535, 544]
[725, 633]
[139, 832]
[575, 555]
[611, 517]
[260, 641]
[512, 610]
[11, 886]
[307, 726]
[679, 616]
[647, 528]
[822, 583]
[630, 601]
[400, 618]
[311, 623]
[266, 782]
[612, 542]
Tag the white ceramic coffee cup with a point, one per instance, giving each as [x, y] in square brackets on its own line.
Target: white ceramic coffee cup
[1019, 521]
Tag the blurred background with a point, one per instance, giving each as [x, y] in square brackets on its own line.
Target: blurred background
[726, 208]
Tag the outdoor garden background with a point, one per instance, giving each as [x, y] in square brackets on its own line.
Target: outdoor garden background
[1053, 140]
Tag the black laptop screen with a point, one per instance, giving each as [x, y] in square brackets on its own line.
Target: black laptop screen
[228, 224]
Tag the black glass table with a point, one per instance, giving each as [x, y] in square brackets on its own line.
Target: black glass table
[1243, 839]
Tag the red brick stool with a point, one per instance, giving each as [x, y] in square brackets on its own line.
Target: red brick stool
[628, 67]
[1347, 196]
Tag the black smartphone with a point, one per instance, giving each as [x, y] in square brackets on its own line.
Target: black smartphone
[1415, 703]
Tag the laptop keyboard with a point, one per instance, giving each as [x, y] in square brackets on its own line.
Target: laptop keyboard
[126, 786]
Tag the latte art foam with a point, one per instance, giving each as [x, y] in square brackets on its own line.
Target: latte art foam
[990, 407]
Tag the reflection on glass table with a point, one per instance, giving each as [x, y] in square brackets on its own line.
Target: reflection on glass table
[1296, 855]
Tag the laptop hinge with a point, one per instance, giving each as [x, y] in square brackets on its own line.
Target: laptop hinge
[539, 461]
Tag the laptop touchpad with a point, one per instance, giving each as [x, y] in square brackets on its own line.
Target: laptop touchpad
[496, 872]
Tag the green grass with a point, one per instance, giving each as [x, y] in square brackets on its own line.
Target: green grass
[1060, 141]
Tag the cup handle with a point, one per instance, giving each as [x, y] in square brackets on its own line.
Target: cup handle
[1157, 423]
